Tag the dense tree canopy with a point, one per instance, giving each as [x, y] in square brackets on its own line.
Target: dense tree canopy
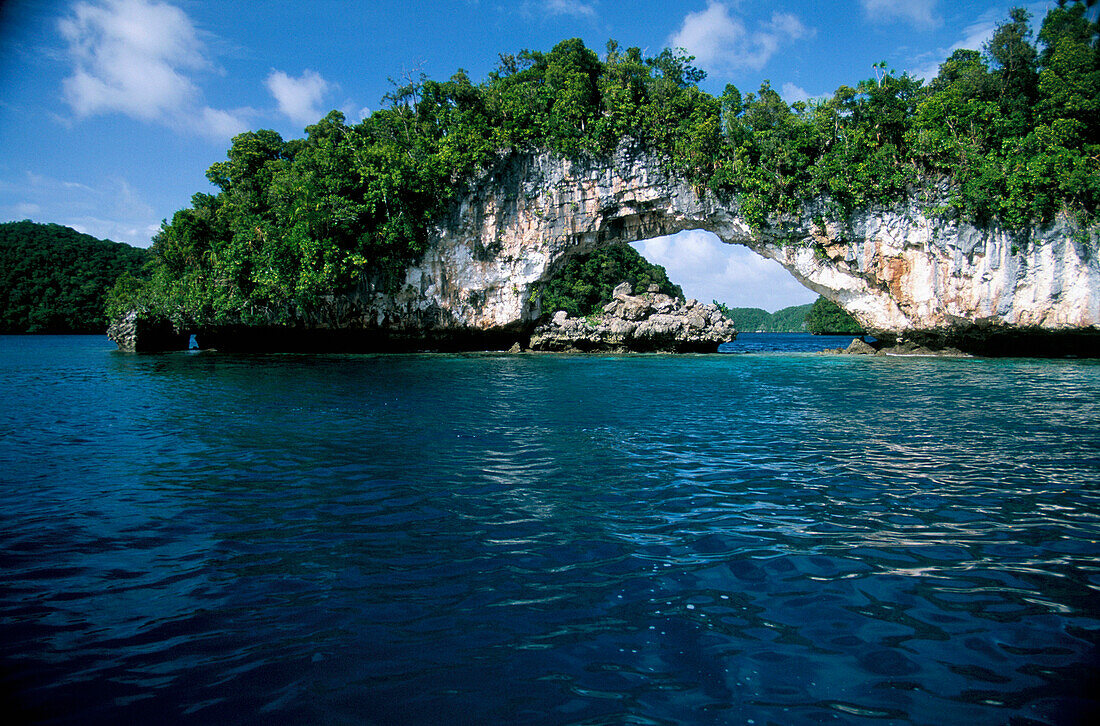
[584, 285]
[752, 320]
[54, 279]
[1012, 131]
[827, 318]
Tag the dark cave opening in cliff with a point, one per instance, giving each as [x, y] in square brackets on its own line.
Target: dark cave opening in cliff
[710, 270]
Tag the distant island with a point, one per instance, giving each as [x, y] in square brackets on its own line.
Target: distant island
[54, 279]
[821, 317]
[757, 320]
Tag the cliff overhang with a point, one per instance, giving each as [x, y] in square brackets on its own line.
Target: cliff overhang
[903, 272]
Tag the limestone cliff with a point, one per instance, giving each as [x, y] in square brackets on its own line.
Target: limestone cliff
[902, 272]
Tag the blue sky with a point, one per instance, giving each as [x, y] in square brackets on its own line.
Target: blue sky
[112, 110]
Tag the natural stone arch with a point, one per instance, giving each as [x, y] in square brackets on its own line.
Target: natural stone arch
[899, 271]
[526, 218]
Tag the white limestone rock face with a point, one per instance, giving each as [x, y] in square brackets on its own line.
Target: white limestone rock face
[902, 271]
[134, 334]
[517, 225]
[899, 271]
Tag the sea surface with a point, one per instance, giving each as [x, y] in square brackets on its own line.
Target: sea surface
[743, 538]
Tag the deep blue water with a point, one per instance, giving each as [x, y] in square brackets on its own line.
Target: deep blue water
[764, 538]
[785, 343]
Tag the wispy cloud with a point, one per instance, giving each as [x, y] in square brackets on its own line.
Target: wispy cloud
[137, 58]
[918, 13]
[299, 99]
[113, 209]
[792, 93]
[575, 8]
[973, 36]
[721, 41]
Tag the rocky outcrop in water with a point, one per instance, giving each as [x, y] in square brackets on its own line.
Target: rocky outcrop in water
[135, 334]
[650, 322]
[902, 272]
[859, 346]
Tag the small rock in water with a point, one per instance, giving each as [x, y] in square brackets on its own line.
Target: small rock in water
[858, 346]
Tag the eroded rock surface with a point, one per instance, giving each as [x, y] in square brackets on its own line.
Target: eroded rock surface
[650, 322]
[900, 271]
[134, 334]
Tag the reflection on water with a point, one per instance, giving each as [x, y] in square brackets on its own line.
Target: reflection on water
[548, 539]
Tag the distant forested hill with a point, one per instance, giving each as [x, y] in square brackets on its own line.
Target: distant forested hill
[751, 320]
[54, 279]
[828, 318]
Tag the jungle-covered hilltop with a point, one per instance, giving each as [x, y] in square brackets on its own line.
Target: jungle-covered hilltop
[54, 279]
[1009, 133]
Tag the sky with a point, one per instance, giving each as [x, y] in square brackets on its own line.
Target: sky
[112, 110]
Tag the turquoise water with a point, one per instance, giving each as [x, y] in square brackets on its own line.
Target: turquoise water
[765, 538]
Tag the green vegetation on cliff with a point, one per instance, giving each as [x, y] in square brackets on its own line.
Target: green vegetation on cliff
[1012, 133]
[827, 318]
[54, 279]
[583, 286]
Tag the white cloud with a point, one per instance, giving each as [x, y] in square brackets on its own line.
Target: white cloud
[299, 98]
[791, 93]
[113, 210]
[27, 209]
[574, 8]
[919, 13]
[222, 124]
[540, 9]
[720, 40]
[708, 269]
[975, 37]
[114, 230]
[136, 57]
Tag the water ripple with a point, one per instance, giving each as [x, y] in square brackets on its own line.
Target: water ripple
[553, 539]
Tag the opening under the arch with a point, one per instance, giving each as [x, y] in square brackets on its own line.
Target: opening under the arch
[708, 269]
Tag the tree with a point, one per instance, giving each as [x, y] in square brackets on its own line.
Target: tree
[583, 286]
[1017, 77]
[1069, 83]
[1011, 136]
[828, 318]
[54, 279]
[572, 73]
